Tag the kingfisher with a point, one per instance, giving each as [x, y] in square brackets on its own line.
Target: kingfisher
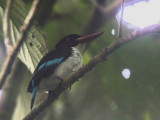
[57, 64]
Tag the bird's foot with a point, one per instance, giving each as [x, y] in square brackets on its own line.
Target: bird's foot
[61, 79]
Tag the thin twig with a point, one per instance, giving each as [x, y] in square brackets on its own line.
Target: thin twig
[89, 66]
[6, 25]
[99, 17]
[102, 14]
[23, 32]
[120, 20]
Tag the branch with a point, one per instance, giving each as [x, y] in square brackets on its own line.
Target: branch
[120, 20]
[102, 13]
[6, 27]
[100, 16]
[89, 66]
[23, 33]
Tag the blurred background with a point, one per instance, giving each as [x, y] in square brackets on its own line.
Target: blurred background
[124, 87]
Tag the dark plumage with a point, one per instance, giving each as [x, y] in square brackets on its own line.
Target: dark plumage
[58, 63]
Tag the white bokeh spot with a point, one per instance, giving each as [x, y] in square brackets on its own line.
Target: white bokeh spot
[126, 73]
[142, 14]
[113, 31]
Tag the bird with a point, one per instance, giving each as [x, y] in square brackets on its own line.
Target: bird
[59, 63]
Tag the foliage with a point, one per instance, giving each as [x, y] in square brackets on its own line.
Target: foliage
[104, 93]
[34, 47]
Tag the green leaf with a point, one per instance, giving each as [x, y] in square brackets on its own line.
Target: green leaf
[34, 47]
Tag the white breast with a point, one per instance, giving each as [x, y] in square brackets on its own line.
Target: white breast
[66, 68]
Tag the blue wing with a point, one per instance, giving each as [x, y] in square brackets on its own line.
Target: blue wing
[46, 67]
[50, 63]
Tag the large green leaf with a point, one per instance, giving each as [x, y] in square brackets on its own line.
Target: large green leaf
[34, 47]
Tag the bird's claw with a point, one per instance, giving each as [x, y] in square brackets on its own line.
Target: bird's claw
[61, 79]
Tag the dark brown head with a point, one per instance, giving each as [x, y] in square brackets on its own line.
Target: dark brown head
[73, 40]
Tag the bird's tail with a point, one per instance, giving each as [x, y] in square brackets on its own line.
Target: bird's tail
[34, 93]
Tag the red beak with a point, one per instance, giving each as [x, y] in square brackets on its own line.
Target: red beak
[90, 37]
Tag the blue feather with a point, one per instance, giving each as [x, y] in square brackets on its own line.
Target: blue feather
[32, 83]
[35, 89]
[51, 62]
[34, 93]
[48, 63]
[41, 66]
[54, 61]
